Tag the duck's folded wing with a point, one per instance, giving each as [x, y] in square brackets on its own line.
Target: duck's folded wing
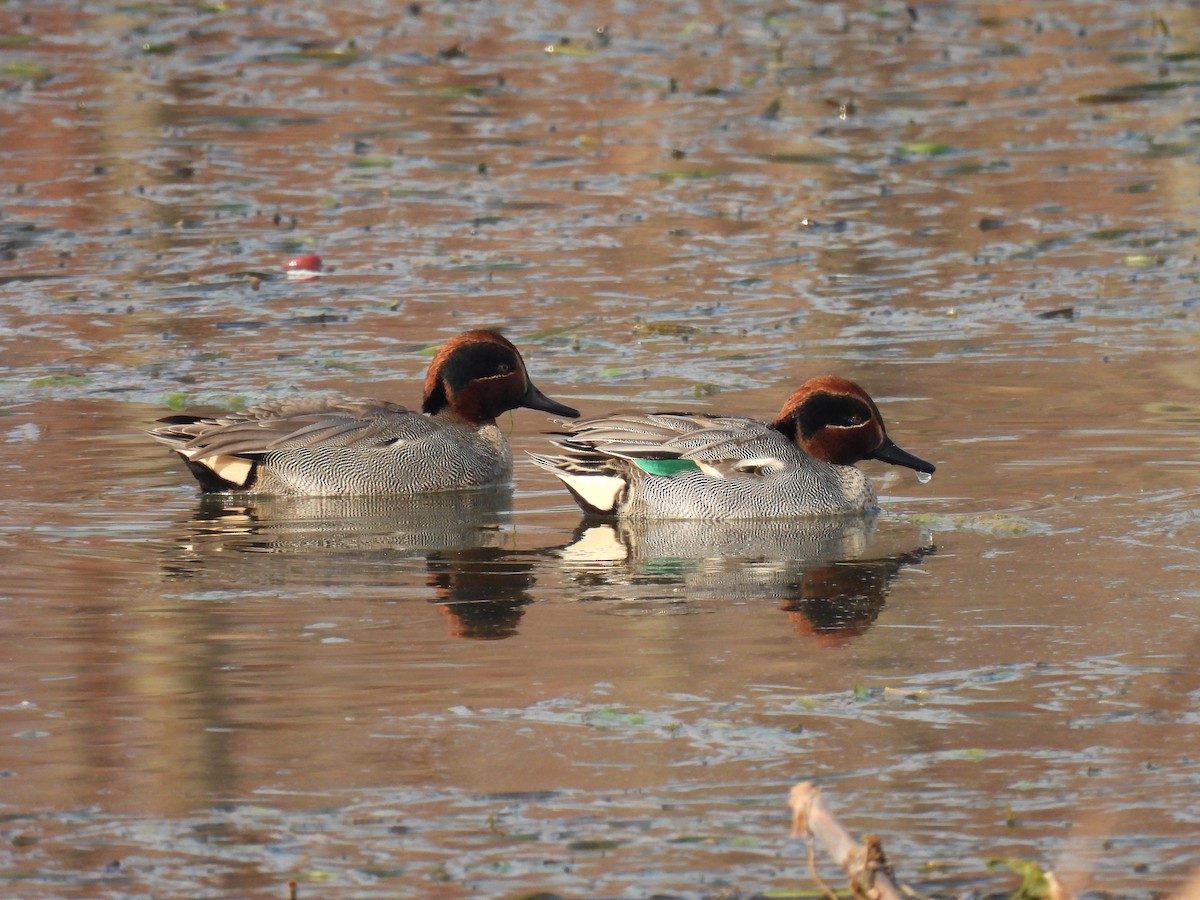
[286, 424]
[664, 443]
[671, 436]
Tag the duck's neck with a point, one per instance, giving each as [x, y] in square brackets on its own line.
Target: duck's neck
[451, 416]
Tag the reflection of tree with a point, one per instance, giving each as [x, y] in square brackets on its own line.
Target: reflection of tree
[481, 591]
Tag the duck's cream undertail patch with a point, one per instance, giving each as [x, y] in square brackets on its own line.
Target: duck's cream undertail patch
[598, 491]
[233, 469]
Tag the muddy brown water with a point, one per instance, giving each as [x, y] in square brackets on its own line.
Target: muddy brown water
[986, 214]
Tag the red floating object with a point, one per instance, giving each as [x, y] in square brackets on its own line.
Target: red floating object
[310, 262]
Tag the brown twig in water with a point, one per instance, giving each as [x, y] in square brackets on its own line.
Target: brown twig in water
[865, 864]
[829, 892]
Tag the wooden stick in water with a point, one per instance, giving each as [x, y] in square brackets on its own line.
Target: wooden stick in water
[865, 863]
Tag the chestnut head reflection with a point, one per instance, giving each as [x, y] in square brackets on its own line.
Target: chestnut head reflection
[482, 591]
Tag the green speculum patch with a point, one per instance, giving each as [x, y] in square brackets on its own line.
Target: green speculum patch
[664, 467]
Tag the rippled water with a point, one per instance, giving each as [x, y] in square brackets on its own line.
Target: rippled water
[987, 215]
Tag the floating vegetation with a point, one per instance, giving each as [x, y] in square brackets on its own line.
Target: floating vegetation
[612, 718]
[32, 73]
[926, 148]
[1132, 92]
[998, 524]
[1034, 883]
[501, 264]
[664, 329]
[1063, 312]
[1030, 249]
[321, 318]
[557, 334]
[177, 401]
[978, 168]
[800, 159]
[370, 162]
[565, 48]
[244, 120]
[334, 56]
[1005, 48]
[1169, 149]
[1111, 234]
[455, 90]
[342, 366]
[58, 381]
[594, 845]
[686, 174]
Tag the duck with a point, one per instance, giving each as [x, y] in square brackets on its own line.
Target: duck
[364, 447]
[681, 465]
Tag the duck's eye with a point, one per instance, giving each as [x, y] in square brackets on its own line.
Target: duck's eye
[503, 368]
[856, 419]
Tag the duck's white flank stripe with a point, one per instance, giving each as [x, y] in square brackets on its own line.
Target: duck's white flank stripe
[760, 464]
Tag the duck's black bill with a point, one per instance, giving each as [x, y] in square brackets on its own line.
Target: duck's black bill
[535, 399]
[888, 452]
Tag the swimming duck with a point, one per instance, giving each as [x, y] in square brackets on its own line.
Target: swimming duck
[697, 466]
[358, 447]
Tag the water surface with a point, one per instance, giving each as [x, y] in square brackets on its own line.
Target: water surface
[987, 215]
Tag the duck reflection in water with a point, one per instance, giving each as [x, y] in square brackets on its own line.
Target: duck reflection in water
[481, 590]
[840, 600]
[817, 571]
[352, 545]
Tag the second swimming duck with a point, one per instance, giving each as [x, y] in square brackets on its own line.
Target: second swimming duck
[696, 466]
[359, 447]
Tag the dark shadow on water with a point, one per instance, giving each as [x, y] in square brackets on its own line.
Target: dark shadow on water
[831, 576]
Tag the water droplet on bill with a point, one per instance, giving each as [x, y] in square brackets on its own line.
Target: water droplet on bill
[924, 477]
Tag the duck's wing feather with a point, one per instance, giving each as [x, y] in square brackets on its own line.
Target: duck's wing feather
[320, 422]
[601, 459]
[691, 436]
[664, 443]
